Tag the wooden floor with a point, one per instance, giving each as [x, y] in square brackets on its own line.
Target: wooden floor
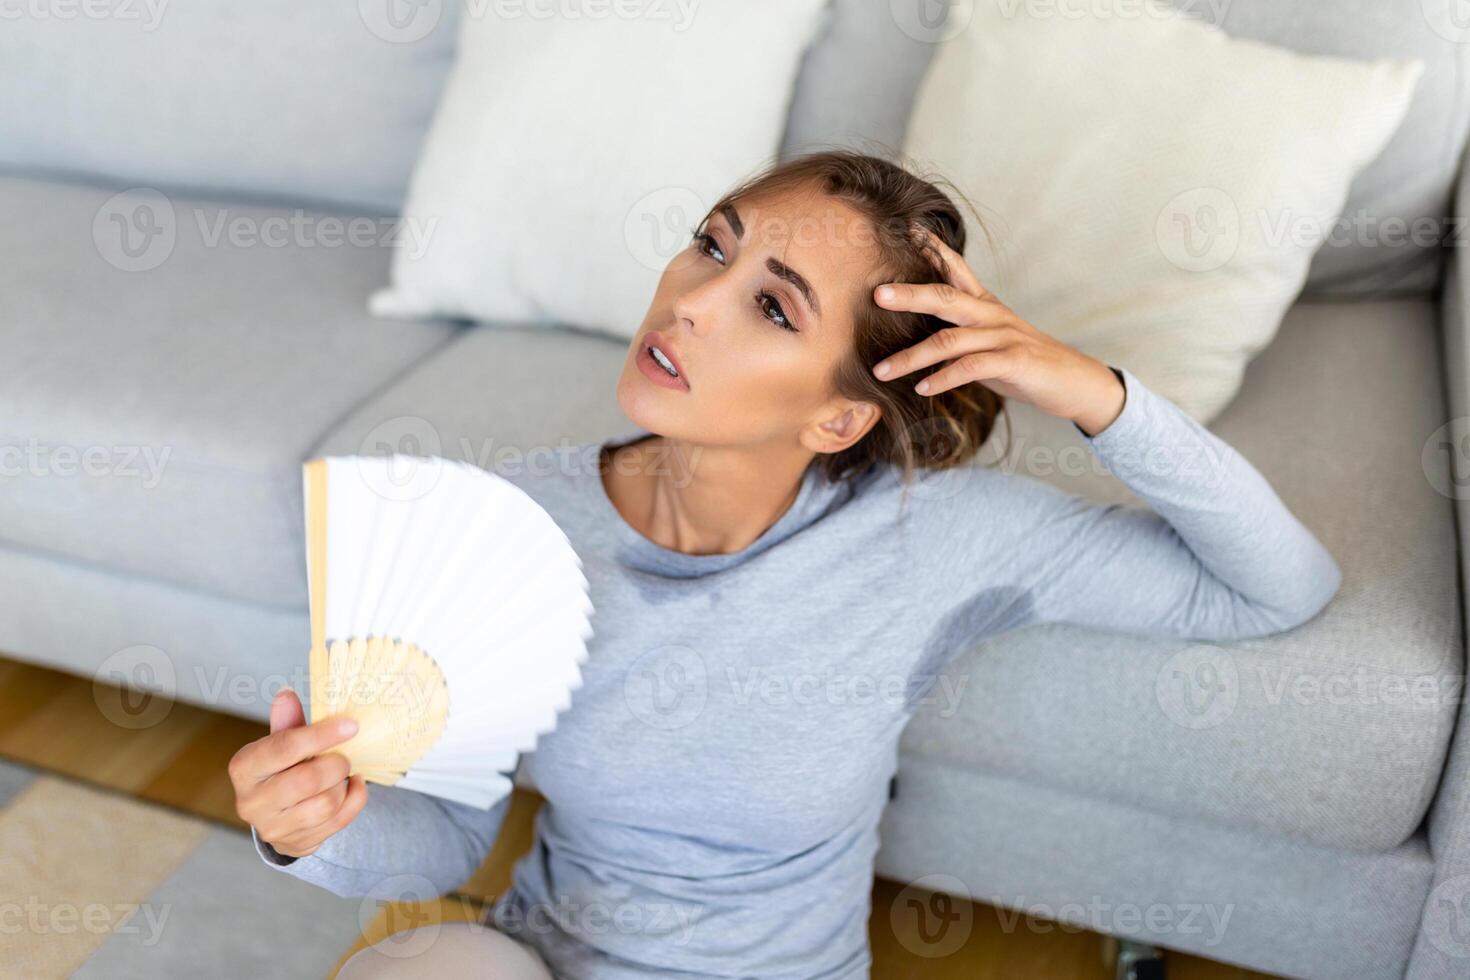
[59, 722]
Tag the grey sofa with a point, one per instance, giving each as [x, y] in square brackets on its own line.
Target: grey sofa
[1298, 804]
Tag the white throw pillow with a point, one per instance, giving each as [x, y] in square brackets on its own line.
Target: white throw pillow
[1155, 188]
[571, 156]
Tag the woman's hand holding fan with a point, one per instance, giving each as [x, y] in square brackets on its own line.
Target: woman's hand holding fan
[449, 618]
[291, 786]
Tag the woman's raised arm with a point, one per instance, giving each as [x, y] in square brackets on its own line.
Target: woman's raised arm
[1219, 556]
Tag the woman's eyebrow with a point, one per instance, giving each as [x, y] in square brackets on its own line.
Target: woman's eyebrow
[733, 216]
[796, 279]
[778, 268]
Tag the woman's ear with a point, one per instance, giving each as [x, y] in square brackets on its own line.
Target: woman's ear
[845, 423]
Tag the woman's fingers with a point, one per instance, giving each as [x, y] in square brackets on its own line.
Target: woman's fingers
[264, 803]
[984, 326]
[953, 265]
[946, 301]
[280, 750]
[307, 779]
[312, 821]
[979, 366]
[942, 345]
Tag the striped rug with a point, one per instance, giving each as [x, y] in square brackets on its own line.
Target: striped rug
[97, 884]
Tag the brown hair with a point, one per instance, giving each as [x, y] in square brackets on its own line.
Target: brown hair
[931, 432]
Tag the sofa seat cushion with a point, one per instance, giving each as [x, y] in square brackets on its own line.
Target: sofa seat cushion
[158, 400]
[1334, 732]
[495, 395]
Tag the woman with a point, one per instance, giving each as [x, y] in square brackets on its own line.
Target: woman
[783, 554]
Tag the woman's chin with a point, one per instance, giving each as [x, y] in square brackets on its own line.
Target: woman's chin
[645, 405]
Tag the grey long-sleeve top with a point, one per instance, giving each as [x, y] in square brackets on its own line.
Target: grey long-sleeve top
[713, 792]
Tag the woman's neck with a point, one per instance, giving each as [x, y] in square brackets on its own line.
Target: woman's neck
[701, 500]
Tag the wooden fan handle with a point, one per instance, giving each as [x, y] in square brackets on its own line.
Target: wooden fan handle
[316, 572]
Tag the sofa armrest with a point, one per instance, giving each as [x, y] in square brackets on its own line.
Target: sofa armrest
[1455, 337]
[1442, 948]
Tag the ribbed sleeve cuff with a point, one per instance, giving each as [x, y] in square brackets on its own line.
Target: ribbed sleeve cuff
[1129, 401]
[269, 854]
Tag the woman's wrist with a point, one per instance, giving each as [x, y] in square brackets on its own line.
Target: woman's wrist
[1105, 407]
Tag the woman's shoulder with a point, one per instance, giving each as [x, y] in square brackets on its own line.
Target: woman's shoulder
[955, 484]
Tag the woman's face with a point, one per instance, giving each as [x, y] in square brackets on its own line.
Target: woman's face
[756, 316]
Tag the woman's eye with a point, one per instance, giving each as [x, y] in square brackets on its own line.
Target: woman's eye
[768, 305]
[770, 308]
[703, 239]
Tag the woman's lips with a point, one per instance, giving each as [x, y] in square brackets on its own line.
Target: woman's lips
[655, 371]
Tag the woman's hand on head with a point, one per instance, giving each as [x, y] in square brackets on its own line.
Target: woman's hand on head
[991, 344]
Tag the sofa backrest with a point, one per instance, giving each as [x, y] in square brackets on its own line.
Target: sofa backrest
[277, 99]
[858, 82]
[330, 102]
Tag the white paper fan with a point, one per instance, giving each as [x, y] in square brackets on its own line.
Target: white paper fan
[449, 616]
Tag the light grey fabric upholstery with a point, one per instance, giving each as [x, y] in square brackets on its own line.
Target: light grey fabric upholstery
[221, 653]
[1335, 732]
[495, 389]
[222, 365]
[287, 100]
[1260, 901]
[858, 82]
[1443, 948]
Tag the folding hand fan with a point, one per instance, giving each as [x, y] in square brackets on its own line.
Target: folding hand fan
[449, 616]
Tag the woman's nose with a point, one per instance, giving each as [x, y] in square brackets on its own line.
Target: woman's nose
[696, 309]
